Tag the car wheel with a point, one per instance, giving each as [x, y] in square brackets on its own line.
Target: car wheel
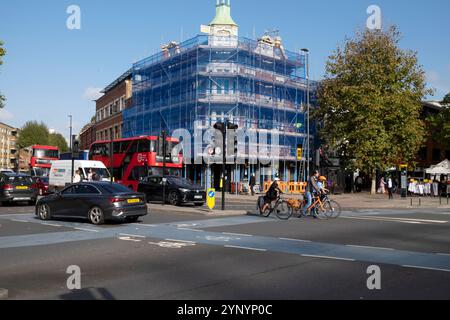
[174, 198]
[44, 212]
[96, 216]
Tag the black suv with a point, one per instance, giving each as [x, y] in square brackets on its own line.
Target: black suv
[17, 188]
[178, 190]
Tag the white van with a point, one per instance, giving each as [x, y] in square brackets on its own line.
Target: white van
[61, 172]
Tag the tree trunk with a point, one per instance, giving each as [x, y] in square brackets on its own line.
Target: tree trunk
[373, 191]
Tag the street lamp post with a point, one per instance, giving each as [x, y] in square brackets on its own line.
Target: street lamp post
[308, 128]
[71, 149]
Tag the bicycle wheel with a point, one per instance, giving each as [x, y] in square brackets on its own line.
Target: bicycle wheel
[284, 211]
[332, 209]
[266, 212]
[320, 212]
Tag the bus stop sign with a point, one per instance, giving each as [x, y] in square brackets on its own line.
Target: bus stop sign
[211, 199]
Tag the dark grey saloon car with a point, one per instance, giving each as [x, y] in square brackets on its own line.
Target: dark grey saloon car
[17, 188]
[96, 201]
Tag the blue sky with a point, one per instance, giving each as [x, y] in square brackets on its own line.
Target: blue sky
[50, 71]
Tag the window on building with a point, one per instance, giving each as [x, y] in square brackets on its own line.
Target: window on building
[436, 154]
[423, 154]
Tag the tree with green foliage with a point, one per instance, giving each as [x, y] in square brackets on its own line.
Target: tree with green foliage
[446, 100]
[34, 133]
[440, 124]
[370, 102]
[57, 140]
[2, 53]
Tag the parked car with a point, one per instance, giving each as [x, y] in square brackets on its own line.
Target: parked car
[178, 190]
[41, 184]
[96, 201]
[17, 187]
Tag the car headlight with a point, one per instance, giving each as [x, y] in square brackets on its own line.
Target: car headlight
[184, 190]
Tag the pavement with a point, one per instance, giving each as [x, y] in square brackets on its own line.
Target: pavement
[243, 204]
[183, 254]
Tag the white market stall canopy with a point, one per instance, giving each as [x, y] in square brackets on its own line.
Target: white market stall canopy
[441, 168]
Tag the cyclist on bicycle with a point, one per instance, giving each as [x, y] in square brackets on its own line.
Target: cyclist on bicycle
[313, 189]
[272, 195]
[322, 185]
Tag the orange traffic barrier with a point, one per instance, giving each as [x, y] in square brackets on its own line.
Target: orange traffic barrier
[289, 188]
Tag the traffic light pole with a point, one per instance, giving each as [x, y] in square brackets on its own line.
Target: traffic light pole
[164, 137]
[224, 164]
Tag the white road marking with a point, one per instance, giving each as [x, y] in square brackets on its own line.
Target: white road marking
[87, 230]
[131, 235]
[443, 254]
[17, 220]
[129, 239]
[367, 247]
[145, 225]
[402, 220]
[246, 248]
[295, 240]
[172, 245]
[326, 257]
[425, 268]
[237, 234]
[382, 220]
[183, 241]
[193, 230]
[51, 225]
[221, 239]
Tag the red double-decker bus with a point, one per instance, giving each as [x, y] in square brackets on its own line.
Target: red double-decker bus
[39, 159]
[136, 158]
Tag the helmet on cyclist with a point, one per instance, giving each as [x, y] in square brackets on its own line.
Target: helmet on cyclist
[322, 178]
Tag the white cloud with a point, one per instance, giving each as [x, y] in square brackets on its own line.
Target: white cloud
[436, 82]
[92, 93]
[5, 115]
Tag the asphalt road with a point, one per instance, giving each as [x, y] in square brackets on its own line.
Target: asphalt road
[173, 255]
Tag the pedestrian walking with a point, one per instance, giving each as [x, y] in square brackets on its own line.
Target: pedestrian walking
[382, 187]
[252, 184]
[390, 186]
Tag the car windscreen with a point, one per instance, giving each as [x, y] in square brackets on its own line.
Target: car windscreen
[115, 188]
[98, 173]
[180, 181]
[44, 153]
[43, 179]
[40, 172]
[19, 179]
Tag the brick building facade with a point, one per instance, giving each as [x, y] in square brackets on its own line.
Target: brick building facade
[108, 120]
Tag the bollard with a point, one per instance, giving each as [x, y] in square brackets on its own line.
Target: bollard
[411, 202]
[420, 202]
[3, 294]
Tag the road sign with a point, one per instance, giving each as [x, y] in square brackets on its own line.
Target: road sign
[211, 199]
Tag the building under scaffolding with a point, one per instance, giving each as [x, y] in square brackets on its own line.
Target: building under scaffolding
[219, 76]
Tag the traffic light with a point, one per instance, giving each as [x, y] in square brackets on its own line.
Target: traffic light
[299, 152]
[76, 145]
[220, 126]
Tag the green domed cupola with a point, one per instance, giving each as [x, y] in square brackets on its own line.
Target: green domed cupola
[223, 14]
